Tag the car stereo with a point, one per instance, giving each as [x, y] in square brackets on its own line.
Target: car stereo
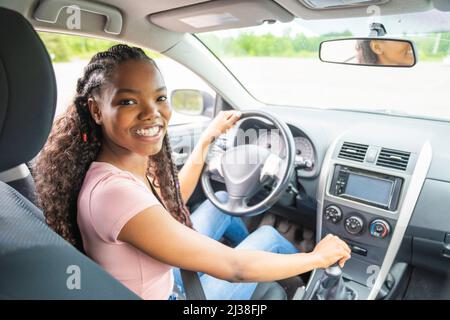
[368, 187]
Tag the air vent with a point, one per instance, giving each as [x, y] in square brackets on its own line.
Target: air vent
[353, 151]
[394, 159]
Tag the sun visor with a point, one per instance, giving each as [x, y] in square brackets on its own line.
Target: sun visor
[220, 15]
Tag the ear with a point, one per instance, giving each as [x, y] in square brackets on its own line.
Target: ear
[95, 111]
[375, 46]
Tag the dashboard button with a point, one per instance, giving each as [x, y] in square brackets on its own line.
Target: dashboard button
[359, 250]
[379, 229]
[333, 214]
[354, 225]
[371, 154]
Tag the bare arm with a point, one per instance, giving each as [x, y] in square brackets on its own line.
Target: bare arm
[155, 232]
[192, 168]
[190, 173]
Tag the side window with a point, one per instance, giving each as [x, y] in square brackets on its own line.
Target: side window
[70, 54]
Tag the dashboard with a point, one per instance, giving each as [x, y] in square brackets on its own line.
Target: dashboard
[379, 182]
[380, 189]
[259, 132]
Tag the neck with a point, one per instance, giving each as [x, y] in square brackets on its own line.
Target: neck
[123, 159]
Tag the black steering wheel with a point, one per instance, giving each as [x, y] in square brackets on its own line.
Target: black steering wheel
[247, 168]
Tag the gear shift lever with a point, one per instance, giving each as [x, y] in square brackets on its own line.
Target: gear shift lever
[332, 286]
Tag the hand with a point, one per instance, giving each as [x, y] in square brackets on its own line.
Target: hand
[220, 124]
[331, 249]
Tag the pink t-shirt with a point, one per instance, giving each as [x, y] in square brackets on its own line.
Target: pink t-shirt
[108, 199]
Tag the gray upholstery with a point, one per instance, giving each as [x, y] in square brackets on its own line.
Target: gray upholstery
[26, 187]
[35, 262]
[27, 91]
[20, 179]
[269, 291]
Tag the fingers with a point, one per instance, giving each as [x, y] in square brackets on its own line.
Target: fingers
[343, 260]
[231, 118]
[340, 242]
[344, 245]
[344, 249]
[234, 116]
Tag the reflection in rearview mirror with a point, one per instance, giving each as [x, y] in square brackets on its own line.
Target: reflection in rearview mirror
[369, 52]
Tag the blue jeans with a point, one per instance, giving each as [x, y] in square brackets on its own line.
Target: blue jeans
[212, 222]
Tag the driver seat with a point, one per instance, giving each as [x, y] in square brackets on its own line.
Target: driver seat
[35, 262]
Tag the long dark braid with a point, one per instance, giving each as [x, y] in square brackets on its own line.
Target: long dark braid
[74, 143]
[159, 165]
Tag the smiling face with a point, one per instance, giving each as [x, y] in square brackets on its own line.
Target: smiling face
[133, 110]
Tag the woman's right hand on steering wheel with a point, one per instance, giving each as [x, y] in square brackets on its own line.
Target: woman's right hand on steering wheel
[330, 250]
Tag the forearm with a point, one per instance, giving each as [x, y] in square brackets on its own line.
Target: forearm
[192, 168]
[260, 266]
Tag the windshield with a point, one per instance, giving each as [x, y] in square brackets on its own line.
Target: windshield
[278, 64]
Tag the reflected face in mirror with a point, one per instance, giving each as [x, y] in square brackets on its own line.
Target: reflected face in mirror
[393, 52]
[369, 52]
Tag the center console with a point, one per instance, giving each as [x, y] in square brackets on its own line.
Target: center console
[366, 196]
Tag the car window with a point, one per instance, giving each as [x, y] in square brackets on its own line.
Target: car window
[70, 54]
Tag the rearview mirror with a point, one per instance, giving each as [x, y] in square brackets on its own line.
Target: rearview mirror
[369, 52]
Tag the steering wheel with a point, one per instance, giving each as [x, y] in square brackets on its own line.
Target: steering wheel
[247, 168]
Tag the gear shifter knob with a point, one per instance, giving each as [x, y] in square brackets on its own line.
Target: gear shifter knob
[332, 286]
[334, 270]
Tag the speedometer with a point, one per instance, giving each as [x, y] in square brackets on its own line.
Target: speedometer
[304, 153]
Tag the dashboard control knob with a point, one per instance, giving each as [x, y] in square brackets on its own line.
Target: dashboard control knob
[354, 225]
[333, 214]
[308, 164]
[379, 229]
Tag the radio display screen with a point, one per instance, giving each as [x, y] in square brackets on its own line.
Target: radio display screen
[369, 189]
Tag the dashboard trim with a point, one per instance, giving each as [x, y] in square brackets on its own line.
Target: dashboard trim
[412, 186]
[321, 188]
[412, 195]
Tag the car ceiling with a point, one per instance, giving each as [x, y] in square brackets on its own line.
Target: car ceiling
[137, 23]
[138, 8]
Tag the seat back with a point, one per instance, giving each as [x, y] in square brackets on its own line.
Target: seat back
[35, 262]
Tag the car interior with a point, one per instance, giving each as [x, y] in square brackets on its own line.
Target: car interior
[378, 180]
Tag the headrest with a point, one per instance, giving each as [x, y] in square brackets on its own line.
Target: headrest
[27, 91]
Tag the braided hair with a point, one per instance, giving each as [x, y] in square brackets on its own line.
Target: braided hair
[74, 143]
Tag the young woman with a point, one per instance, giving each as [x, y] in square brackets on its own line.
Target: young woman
[106, 182]
[385, 53]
